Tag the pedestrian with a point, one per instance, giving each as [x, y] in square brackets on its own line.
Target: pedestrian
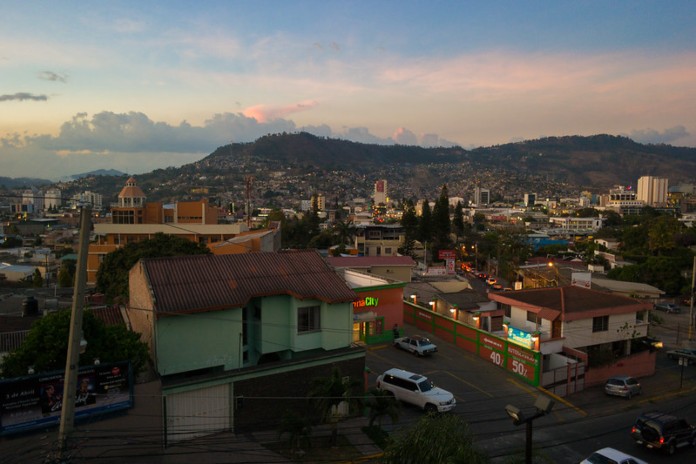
[395, 330]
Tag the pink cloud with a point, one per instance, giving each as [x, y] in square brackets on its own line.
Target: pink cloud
[265, 113]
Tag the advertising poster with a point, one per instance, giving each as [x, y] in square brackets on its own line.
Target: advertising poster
[32, 402]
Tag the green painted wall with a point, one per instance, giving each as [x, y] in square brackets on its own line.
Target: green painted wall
[336, 325]
[196, 341]
[277, 324]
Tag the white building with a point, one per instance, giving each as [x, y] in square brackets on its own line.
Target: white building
[87, 197]
[380, 195]
[577, 223]
[53, 199]
[653, 190]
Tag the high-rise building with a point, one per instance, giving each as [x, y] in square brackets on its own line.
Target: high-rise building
[653, 190]
[52, 199]
[482, 196]
[380, 195]
[529, 199]
[320, 201]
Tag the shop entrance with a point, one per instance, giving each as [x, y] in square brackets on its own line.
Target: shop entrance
[368, 330]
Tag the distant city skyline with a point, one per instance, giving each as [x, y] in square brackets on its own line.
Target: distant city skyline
[137, 86]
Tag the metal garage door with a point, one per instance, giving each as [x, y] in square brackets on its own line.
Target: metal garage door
[196, 413]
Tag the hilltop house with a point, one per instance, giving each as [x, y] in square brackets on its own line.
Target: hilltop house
[237, 338]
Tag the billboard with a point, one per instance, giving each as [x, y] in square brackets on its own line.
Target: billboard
[33, 402]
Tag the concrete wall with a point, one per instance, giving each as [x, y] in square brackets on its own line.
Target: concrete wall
[636, 365]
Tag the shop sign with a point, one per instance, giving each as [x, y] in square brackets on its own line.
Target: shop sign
[520, 337]
[365, 302]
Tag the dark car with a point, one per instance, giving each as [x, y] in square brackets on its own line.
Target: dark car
[667, 307]
[686, 353]
[663, 431]
[652, 343]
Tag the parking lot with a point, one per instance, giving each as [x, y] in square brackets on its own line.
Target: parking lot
[482, 391]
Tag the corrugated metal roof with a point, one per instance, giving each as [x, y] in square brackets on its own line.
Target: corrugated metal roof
[211, 282]
[109, 315]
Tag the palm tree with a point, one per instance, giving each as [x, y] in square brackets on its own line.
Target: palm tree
[298, 430]
[330, 395]
[344, 231]
[381, 404]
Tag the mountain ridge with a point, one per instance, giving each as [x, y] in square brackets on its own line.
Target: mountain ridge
[299, 164]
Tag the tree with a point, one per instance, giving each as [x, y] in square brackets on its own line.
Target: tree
[37, 280]
[661, 234]
[46, 346]
[112, 276]
[66, 273]
[329, 394]
[409, 221]
[382, 403]
[458, 220]
[512, 251]
[298, 430]
[425, 223]
[344, 231]
[441, 220]
[435, 438]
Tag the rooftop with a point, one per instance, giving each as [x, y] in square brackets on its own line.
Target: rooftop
[209, 282]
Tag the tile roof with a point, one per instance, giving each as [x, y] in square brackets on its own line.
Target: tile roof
[570, 302]
[109, 315]
[212, 282]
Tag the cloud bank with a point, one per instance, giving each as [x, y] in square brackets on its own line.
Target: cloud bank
[134, 143]
[22, 96]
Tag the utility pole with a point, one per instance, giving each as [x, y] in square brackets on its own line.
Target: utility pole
[691, 304]
[248, 181]
[72, 363]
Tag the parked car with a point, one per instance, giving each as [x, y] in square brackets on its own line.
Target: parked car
[416, 344]
[611, 456]
[624, 385]
[667, 307]
[652, 342]
[416, 389]
[687, 353]
[663, 431]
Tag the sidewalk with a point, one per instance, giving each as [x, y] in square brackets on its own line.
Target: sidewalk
[351, 429]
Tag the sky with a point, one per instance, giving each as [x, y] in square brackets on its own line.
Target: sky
[135, 86]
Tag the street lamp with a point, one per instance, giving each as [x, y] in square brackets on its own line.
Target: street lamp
[543, 406]
[554, 269]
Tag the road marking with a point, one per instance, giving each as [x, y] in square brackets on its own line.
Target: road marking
[580, 411]
[557, 398]
[470, 384]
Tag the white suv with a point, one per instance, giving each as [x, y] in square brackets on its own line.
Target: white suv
[417, 390]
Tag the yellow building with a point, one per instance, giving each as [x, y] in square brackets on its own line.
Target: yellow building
[134, 220]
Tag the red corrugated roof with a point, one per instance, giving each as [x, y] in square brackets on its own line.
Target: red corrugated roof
[210, 282]
[109, 315]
